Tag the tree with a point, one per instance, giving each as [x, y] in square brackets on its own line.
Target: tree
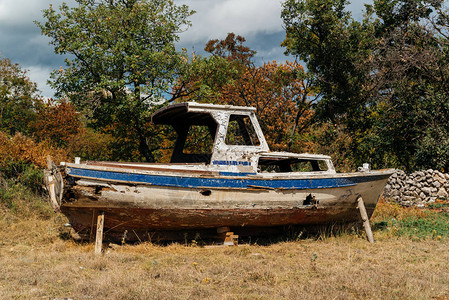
[279, 93]
[122, 60]
[337, 51]
[384, 79]
[19, 99]
[412, 76]
[58, 122]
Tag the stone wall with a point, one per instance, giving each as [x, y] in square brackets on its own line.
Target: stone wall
[417, 188]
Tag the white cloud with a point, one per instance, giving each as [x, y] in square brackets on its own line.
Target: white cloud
[24, 12]
[214, 19]
[20, 12]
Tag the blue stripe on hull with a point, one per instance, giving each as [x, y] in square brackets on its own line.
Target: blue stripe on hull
[197, 182]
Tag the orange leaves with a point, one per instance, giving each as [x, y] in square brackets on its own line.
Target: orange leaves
[277, 93]
[57, 122]
[60, 125]
[22, 148]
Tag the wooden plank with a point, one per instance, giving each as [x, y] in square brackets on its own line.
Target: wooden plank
[99, 235]
[231, 239]
[52, 193]
[365, 219]
[131, 168]
[92, 226]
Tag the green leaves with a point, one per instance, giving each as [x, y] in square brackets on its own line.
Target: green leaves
[121, 54]
[385, 78]
[19, 98]
[336, 49]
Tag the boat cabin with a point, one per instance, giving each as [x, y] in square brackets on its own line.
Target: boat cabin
[229, 139]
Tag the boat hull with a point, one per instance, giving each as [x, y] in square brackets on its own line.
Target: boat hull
[136, 209]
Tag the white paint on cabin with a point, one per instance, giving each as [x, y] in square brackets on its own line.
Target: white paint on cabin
[230, 158]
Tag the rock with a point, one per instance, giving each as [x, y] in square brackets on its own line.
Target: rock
[421, 179]
[426, 190]
[418, 187]
[438, 173]
[407, 203]
[442, 193]
[419, 174]
[440, 178]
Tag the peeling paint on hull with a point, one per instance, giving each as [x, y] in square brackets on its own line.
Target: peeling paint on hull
[143, 209]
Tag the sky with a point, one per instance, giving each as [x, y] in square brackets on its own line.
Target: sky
[257, 20]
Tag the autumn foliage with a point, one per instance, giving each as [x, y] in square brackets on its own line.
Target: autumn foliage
[32, 128]
[278, 91]
[58, 123]
[25, 149]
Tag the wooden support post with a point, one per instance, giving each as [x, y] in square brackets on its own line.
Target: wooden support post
[365, 219]
[229, 238]
[51, 191]
[99, 235]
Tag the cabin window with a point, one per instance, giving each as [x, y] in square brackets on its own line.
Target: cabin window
[292, 165]
[241, 131]
[309, 166]
[199, 140]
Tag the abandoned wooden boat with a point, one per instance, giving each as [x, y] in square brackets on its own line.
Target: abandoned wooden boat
[234, 181]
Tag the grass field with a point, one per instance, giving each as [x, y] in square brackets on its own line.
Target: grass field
[410, 260]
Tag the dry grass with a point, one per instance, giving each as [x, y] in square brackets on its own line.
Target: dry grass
[36, 263]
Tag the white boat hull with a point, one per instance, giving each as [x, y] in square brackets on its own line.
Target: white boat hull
[142, 208]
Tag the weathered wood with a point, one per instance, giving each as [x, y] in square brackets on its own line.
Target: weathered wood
[365, 219]
[99, 236]
[51, 191]
[54, 183]
[231, 239]
[92, 226]
[153, 167]
[228, 237]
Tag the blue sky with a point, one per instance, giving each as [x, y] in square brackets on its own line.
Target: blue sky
[257, 20]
